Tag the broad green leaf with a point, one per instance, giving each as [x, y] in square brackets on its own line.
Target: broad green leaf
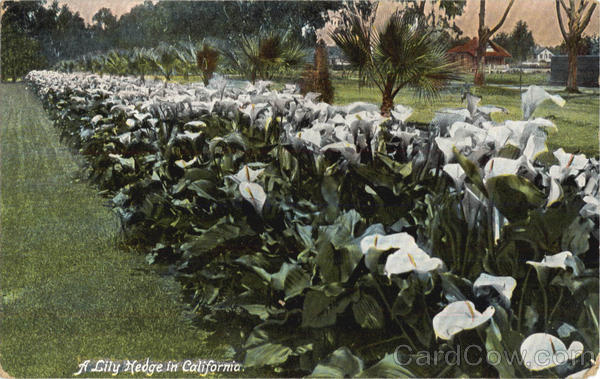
[513, 195]
[470, 170]
[268, 354]
[388, 367]
[321, 310]
[368, 312]
[404, 169]
[493, 343]
[339, 364]
[291, 278]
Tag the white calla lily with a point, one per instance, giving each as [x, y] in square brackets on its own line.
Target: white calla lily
[254, 194]
[310, 136]
[561, 260]
[533, 97]
[246, 174]
[456, 172]
[542, 351]
[409, 259]
[556, 193]
[459, 316]
[504, 285]
[591, 207]
[373, 245]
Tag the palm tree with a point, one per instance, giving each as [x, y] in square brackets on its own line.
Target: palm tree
[186, 58]
[116, 63]
[164, 59]
[139, 62]
[402, 53]
[207, 60]
[264, 56]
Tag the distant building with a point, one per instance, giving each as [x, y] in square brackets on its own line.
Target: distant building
[466, 55]
[543, 55]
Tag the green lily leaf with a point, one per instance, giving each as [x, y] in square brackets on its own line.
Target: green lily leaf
[388, 367]
[367, 312]
[271, 344]
[321, 310]
[470, 170]
[513, 195]
[339, 364]
[291, 278]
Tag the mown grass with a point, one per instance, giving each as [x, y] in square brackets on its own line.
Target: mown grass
[577, 121]
[68, 292]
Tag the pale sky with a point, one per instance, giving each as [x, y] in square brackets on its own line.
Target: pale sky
[540, 15]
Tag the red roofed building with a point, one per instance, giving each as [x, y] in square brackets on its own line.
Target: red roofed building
[466, 54]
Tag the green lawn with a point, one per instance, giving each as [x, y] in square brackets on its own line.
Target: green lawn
[577, 121]
[68, 292]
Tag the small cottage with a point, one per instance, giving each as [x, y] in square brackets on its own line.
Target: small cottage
[466, 54]
[543, 55]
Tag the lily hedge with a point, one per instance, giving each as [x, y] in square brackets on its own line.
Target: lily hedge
[349, 242]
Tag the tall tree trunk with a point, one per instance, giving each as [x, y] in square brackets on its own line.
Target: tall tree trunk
[387, 100]
[479, 79]
[572, 77]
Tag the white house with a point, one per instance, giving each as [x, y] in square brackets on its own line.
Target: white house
[543, 55]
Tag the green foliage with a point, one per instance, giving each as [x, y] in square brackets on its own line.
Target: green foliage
[297, 265]
[402, 53]
[20, 54]
[207, 61]
[264, 55]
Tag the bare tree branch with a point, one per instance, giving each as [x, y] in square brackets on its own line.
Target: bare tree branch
[564, 6]
[495, 28]
[587, 18]
[560, 22]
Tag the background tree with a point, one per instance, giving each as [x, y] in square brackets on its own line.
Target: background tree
[316, 78]
[505, 40]
[207, 60]
[484, 34]
[441, 15]
[164, 59]
[20, 54]
[400, 54]
[264, 55]
[579, 14]
[521, 45]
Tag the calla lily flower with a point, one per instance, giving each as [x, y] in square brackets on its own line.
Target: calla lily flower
[505, 285]
[459, 316]
[183, 164]
[96, 119]
[533, 97]
[347, 150]
[456, 172]
[195, 124]
[561, 260]
[446, 146]
[254, 194]
[542, 351]
[310, 136]
[373, 245]
[246, 174]
[569, 165]
[401, 112]
[591, 207]
[188, 136]
[504, 166]
[556, 193]
[410, 258]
